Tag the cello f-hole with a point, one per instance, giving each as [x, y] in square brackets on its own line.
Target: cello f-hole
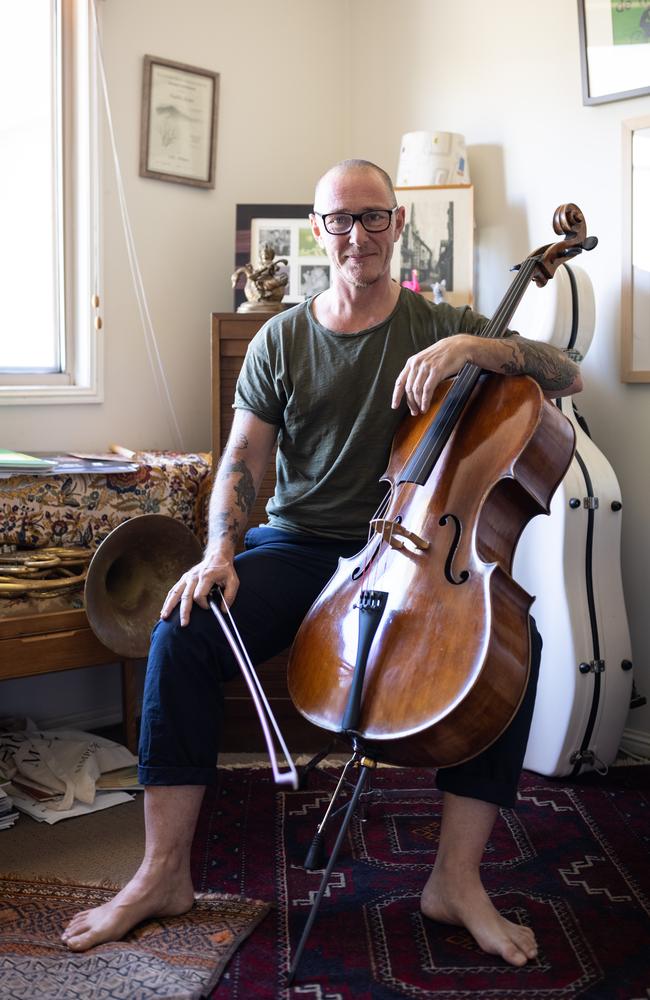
[358, 571]
[463, 577]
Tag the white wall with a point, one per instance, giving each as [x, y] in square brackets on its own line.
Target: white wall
[304, 83]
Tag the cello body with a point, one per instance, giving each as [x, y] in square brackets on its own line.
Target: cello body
[418, 649]
[571, 561]
[449, 663]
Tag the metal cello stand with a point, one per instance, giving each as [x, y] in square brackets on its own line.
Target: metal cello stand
[312, 861]
[371, 608]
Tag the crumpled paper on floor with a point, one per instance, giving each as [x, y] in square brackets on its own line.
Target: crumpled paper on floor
[49, 812]
[65, 762]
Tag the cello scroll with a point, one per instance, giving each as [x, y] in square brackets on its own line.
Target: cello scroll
[568, 219]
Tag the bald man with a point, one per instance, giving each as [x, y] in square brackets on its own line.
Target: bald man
[329, 380]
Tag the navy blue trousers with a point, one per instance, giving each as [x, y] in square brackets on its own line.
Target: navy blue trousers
[281, 574]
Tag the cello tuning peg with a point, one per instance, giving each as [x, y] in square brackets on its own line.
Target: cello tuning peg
[590, 243]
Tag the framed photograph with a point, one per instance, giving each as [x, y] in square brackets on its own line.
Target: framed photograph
[614, 49]
[286, 228]
[178, 139]
[437, 241]
[635, 286]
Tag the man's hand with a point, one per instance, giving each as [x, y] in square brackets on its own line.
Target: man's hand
[555, 373]
[423, 372]
[196, 583]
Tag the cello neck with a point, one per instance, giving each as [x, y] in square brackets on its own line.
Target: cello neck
[539, 266]
[426, 454]
[497, 326]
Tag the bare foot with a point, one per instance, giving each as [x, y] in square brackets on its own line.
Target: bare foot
[144, 896]
[462, 901]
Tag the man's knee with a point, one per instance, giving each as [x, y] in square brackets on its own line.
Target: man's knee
[197, 646]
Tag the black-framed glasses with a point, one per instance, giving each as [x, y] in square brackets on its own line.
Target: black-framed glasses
[374, 220]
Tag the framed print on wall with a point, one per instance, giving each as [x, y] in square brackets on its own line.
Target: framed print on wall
[614, 49]
[635, 286]
[178, 139]
[286, 228]
[438, 240]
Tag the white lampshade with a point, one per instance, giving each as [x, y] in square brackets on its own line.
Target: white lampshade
[430, 159]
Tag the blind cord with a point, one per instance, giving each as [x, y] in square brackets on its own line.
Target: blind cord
[151, 344]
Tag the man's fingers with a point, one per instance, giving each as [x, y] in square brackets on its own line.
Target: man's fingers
[230, 591]
[196, 584]
[398, 391]
[186, 607]
[417, 382]
[172, 599]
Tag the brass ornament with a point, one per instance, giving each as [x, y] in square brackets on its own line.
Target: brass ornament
[130, 575]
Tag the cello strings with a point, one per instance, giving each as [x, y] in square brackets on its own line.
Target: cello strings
[379, 513]
[456, 396]
[450, 409]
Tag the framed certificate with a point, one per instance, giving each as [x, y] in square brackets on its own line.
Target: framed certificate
[179, 123]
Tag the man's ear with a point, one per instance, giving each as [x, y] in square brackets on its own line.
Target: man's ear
[400, 219]
[316, 229]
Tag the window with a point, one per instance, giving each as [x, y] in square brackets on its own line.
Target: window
[48, 252]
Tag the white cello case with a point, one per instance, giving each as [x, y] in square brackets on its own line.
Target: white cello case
[570, 562]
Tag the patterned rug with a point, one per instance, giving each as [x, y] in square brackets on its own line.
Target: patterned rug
[572, 861]
[176, 957]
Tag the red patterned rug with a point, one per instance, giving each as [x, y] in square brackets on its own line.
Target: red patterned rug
[572, 861]
[179, 958]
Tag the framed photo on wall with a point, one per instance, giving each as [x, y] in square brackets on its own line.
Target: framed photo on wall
[438, 240]
[635, 287]
[178, 139]
[614, 49]
[286, 228]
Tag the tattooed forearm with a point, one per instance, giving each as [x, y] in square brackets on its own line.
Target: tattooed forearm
[244, 488]
[223, 524]
[234, 488]
[550, 367]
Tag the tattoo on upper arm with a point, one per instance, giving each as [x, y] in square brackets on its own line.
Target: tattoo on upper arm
[550, 367]
[240, 443]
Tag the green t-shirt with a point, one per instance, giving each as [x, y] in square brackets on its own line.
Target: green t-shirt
[329, 394]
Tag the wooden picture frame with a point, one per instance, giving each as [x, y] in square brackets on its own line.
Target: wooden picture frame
[178, 138]
[614, 49]
[635, 283]
[438, 240]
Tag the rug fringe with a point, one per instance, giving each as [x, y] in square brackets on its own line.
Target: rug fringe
[55, 880]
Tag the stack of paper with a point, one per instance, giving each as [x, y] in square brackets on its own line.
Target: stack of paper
[16, 461]
[8, 814]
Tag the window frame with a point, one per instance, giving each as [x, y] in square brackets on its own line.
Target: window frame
[77, 213]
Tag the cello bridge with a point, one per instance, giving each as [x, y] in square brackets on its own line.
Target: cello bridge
[394, 533]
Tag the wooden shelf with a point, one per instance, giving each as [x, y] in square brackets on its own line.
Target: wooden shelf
[46, 642]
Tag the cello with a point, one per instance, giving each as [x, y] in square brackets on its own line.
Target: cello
[418, 648]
